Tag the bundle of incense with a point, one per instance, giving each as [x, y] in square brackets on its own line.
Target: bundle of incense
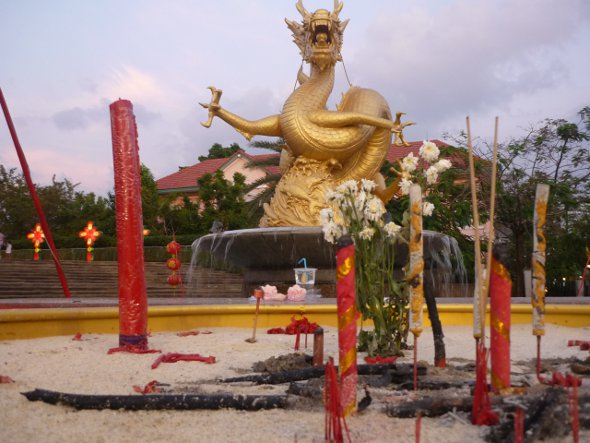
[481, 413]
[416, 274]
[538, 260]
[482, 279]
[477, 293]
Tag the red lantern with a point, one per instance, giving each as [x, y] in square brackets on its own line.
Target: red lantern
[174, 280]
[89, 234]
[173, 247]
[173, 264]
[37, 237]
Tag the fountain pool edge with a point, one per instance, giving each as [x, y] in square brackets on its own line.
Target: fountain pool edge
[45, 322]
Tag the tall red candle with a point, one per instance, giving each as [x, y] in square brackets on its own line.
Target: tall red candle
[132, 285]
[500, 289]
[347, 318]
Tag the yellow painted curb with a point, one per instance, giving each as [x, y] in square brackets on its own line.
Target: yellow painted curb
[44, 322]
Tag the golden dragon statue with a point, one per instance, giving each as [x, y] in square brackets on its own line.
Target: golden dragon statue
[323, 148]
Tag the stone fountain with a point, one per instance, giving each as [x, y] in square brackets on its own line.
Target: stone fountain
[269, 255]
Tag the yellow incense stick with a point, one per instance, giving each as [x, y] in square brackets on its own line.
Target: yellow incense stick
[477, 330]
[486, 286]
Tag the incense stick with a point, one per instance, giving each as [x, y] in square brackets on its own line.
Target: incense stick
[486, 286]
[477, 333]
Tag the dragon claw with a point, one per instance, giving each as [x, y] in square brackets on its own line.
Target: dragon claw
[213, 105]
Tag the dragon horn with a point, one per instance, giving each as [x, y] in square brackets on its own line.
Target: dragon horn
[337, 8]
[304, 12]
[343, 24]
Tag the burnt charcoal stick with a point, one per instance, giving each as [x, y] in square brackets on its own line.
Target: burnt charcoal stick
[159, 401]
[397, 371]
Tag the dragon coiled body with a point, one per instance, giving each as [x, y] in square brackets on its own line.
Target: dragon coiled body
[324, 147]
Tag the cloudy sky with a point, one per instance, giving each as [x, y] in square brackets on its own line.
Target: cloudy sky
[64, 61]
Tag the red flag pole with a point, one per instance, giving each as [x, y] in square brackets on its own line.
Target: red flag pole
[33, 191]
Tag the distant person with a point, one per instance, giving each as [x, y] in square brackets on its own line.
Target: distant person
[4, 245]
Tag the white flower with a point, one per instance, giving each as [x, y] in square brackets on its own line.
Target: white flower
[333, 197]
[431, 175]
[409, 163]
[360, 201]
[442, 165]
[332, 232]
[427, 209]
[326, 216]
[367, 233]
[375, 209]
[429, 151]
[367, 185]
[349, 187]
[391, 229]
[404, 186]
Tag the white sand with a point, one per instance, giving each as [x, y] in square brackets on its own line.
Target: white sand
[61, 364]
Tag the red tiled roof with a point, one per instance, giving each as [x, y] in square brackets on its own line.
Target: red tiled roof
[398, 152]
[186, 178]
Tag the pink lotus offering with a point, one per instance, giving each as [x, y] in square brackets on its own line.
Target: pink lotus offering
[271, 293]
[296, 293]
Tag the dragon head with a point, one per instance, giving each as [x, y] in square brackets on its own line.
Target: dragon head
[319, 36]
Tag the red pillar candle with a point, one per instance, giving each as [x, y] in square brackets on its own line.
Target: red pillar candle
[500, 288]
[347, 318]
[132, 285]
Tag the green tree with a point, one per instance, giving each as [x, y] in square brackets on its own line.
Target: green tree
[268, 183]
[181, 218]
[17, 213]
[150, 201]
[223, 200]
[555, 152]
[66, 210]
[218, 151]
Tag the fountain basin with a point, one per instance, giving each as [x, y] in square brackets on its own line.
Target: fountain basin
[269, 255]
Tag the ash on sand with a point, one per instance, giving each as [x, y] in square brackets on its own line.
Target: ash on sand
[282, 363]
[84, 367]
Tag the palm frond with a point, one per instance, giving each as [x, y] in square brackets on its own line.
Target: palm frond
[271, 179]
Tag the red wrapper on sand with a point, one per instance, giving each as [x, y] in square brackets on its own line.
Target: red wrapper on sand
[347, 318]
[132, 285]
[500, 288]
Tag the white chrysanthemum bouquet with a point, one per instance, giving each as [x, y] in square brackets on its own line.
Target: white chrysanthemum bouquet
[354, 210]
[427, 176]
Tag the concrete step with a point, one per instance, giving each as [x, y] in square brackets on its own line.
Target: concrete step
[30, 279]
